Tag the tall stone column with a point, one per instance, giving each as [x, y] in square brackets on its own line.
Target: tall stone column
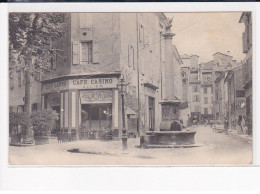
[168, 86]
[169, 103]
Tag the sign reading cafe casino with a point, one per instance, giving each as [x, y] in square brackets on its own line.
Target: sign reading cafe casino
[90, 83]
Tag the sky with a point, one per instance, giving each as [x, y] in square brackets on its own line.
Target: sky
[204, 34]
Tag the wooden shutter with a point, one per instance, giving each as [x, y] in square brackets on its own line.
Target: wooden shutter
[75, 51]
[250, 34]
[95, 52]
[244, 43]
[88, 19]
[82, 20]
[19, 77]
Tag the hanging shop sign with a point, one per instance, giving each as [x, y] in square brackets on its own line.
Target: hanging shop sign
[93, 83]
[54, 99]
[96, 96]
[55, 86]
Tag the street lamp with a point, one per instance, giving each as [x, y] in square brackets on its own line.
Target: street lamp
[122, 86]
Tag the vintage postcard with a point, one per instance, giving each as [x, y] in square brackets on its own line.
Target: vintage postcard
[117, 88]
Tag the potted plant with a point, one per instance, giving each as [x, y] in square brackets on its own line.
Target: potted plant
[17, 126]
[42, 123]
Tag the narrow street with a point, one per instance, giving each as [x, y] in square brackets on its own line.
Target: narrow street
[217, 148]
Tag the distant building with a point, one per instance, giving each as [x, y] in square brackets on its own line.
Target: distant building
[17, 91]
[221, 59]
[236, 102]
[219, 103]
[206, 71]
[246, 18]
[191, 87]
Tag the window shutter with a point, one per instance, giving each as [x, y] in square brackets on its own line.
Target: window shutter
[244, 43]
[95, 52]
[82, 20]
[75, 50]
[19, 77]
[88, 19]
[250, 34]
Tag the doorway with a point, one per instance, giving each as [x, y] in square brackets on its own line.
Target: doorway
[57, 124]
[95, 117]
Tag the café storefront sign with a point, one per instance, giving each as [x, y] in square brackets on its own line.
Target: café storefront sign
[89, 83]
[93, 83]
[55, 86]
[95, 96]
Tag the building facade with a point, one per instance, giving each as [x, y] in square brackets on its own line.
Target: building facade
[206, 71]
[95, 52]
[236, 102]
[246, 18]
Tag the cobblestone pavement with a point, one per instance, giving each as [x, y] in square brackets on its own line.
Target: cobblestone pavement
[217, 148]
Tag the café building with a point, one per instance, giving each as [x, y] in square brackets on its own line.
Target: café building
[83, 103]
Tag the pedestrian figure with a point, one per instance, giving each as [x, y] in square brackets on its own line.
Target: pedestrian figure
[243, 124]
[239, 124]
[226, 125]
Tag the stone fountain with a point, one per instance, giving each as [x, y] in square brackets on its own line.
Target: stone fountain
[171, 133]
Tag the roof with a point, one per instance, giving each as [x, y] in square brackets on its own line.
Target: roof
[219, 77]
[222, 54]
[185, 56]
[229, 75]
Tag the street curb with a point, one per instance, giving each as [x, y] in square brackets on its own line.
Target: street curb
[242, 138]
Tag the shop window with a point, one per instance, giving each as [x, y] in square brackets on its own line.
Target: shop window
[95, 113]
[105, 113]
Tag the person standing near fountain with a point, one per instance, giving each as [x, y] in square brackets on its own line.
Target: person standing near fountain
[226, 125]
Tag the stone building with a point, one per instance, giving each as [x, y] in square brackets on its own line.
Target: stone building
[17, 91]
[99, 49]
[191, 86]
[235, 105]
[96, 50]
[207, 99]
[222, 63]
[246, 18]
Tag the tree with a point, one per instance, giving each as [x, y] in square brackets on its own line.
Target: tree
[30, 38]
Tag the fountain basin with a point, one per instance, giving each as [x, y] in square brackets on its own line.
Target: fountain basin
[170, 137]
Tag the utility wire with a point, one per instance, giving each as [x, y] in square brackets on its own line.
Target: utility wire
[154, 43]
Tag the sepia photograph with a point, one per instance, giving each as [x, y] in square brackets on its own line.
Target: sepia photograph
[130, 88]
